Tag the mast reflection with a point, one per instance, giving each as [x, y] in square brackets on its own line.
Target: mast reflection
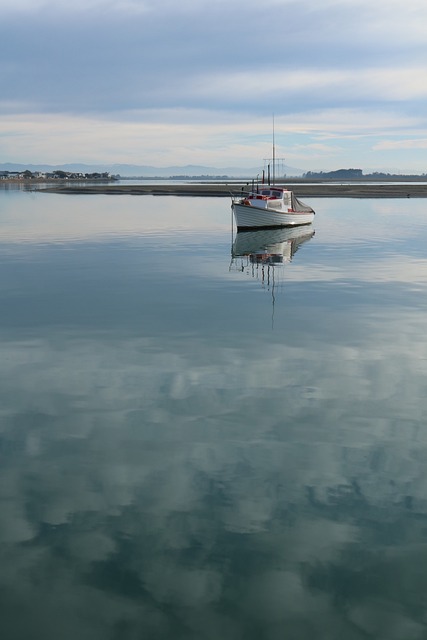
[263, 253]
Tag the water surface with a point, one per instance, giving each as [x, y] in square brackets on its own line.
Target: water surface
[199, 445]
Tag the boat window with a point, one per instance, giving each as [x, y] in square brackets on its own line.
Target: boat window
[265, 192]
[277, 194]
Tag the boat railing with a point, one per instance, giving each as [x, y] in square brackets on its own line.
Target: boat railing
[236, 197]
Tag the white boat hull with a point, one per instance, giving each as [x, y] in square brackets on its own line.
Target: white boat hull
[250, 217]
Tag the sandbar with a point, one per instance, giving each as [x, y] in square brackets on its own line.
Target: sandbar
[321, 190]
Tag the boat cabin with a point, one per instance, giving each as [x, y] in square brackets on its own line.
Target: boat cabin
[271, 193]
[266, 196]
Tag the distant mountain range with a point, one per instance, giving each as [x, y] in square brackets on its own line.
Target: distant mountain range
[141, 171]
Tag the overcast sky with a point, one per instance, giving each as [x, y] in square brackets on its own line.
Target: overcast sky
[174, 82]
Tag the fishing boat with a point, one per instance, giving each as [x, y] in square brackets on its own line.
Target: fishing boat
[267, 206]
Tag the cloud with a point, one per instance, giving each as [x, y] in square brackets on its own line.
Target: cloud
[45, 7]
[333, 86]
[194, 136]
[401, 144]
[136, 62]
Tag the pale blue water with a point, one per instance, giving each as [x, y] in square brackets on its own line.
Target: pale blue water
[198, 447]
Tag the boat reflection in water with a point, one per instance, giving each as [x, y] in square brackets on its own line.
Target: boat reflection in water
[271, 247]
[262, 254]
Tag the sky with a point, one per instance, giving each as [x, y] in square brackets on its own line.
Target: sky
[178, 82]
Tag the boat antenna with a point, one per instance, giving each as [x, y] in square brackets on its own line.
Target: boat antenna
[274, 154]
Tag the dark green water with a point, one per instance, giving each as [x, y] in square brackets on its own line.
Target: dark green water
[194, 447]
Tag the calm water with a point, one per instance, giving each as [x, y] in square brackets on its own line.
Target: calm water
[195, 446]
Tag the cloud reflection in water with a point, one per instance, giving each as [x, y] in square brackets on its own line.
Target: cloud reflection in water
[164, 474]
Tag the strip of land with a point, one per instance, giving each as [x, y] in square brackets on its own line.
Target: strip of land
[323, 190]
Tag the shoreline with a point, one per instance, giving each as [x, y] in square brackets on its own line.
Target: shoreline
[321, 190]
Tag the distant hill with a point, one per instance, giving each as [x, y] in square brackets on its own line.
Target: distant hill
[141, 171]
[339, 174]
[357, 174]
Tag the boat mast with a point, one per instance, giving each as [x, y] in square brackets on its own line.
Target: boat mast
[274, 155]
